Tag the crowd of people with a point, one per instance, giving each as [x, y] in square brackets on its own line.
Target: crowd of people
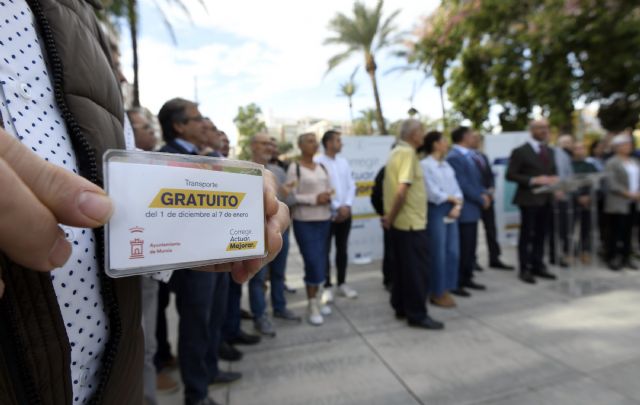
[319, 189]
[70, 334]
[434, 197]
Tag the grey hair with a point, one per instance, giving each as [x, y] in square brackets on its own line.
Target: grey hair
[408, 127]
[252, 140]
[302, 136]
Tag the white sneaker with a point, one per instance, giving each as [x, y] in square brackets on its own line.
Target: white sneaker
[325, 310]
[348, 292]
[314, 316]
[327, 295]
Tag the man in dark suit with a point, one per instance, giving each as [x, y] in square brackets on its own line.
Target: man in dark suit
[476, 198]
[532, 165]
[488, 215]
[201, 297]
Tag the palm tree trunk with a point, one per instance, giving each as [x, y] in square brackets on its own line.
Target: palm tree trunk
[133, 22]
[371, 69]
[351, 110]
[444, 111]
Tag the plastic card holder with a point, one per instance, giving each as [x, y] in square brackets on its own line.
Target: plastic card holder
[181, 211]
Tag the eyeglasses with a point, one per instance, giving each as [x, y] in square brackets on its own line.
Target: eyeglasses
[197, 118]
[146, 127]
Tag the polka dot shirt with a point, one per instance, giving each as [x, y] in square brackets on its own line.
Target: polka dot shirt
[28, 111]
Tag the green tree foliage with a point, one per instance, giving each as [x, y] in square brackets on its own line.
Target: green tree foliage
[348, 89]
[366, 123]
[519, 54]
[284, 147]
[368, 32]
[249, 123]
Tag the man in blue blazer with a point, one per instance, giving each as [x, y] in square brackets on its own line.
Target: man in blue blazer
[476, 198]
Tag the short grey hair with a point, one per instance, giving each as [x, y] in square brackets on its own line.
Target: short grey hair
[408, 127]
[255, 136]
[302, 136]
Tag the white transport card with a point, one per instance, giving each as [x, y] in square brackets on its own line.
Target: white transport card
[180, 211]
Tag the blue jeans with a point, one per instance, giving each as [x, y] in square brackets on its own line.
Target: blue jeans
[277, 270]
[201, 299]
[444, 244]
[313, 238]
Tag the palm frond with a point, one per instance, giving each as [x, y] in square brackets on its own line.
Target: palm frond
[339, 58]
[167, 24]
[386, 30]
[354, 73]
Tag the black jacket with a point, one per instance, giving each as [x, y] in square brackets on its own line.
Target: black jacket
[524, 165]
[175, 147]
[487, 174]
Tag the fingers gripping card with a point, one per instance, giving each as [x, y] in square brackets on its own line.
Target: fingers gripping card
[181, 211]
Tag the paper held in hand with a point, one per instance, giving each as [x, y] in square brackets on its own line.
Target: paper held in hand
[181, 211]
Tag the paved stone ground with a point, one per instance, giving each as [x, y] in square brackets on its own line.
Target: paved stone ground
[573, 341]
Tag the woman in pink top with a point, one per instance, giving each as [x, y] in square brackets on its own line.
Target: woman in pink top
[311, 221]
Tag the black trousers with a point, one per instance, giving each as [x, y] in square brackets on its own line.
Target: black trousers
[533, 228]
[388, 259]
[163, 352]
[468, 241]
[559, 230]
[603, 225]
[201, 299]
[339, 232]
[621, 226]
[582, 217]
[410, 273]
[491, 233]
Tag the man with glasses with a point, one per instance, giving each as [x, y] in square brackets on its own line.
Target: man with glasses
[201, 297]
[183, 127]
[261, 153]
[213, 145]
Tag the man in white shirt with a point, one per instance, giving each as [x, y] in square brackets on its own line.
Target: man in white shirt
[345, 191]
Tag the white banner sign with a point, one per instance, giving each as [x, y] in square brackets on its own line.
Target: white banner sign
[366, 155]
[498, 148]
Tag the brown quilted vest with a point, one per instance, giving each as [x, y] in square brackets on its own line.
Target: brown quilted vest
[34, 348]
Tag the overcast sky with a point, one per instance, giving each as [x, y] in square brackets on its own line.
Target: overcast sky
[270, 53]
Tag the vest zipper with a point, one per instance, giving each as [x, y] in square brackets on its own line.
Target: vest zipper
[88, 165]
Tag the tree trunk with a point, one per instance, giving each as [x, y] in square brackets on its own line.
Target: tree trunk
[371, 69]
[444, 110]
[351, 110]
[133, 22]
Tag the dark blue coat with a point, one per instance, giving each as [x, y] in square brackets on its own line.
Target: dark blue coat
[471, 183]
[174, 147]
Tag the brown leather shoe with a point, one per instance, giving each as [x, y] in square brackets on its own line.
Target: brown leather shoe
[444, 301]
[166, 384]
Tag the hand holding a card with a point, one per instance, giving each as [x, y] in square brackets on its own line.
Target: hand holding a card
[277, 221]
[36, 196]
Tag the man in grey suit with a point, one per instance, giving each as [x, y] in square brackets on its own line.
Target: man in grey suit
[559, 221]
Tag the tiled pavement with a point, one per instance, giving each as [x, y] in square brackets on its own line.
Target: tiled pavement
[573, 341]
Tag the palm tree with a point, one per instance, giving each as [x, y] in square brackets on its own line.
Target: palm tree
[128, 9]
[348, 89]
[367, 32]
[369, 116]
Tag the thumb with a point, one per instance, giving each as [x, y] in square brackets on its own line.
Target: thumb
[72, 199]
